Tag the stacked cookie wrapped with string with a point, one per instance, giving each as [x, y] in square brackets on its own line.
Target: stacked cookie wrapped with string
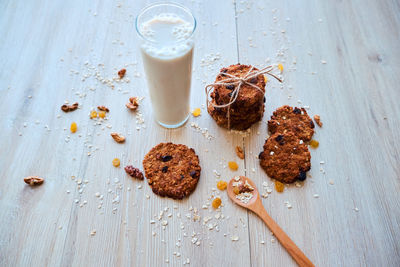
[236, 99]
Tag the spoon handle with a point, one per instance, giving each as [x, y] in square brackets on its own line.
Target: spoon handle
[283, 238]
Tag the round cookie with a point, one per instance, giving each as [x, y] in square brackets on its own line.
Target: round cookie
[287, 118]
[285, 157]
[172, 170]
[248, 95]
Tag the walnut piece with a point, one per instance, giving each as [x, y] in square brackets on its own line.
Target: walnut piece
[121, 73]
[103, 108]
[118, 137]
[68, 108]
[133, 103]
[239, 152]
[33, 180]
[317, 119]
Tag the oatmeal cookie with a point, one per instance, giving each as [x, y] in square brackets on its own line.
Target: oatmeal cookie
[287, 118]
[172, 170]
[249, 105]
[285, 157]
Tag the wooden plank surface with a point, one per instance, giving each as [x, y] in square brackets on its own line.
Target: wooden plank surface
[340, 58]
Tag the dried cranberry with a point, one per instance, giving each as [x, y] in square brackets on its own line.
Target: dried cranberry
[302, 176]
[260, 155]
[297, 110]
[279, 138]
[193, 174]
[134, 172]
[164, 169]
[166, 158]
[230, 87]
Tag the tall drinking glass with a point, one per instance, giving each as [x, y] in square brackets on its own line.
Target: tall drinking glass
[166, 43]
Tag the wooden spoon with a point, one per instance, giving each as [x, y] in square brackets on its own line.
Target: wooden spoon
[255, 205]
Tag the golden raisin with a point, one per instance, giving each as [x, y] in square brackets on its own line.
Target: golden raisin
[280, 67]
[102, 114]
[196, 112]
[279, 186]
[222, 185]
[236, 190]
[314, 143]
[93, 114]
[265, 79]
[233, 165]
[116, 162]
[216, 202]
[74, 127]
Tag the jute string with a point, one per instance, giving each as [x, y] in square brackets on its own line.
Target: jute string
[238, 82]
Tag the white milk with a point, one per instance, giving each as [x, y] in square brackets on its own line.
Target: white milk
[167, 58]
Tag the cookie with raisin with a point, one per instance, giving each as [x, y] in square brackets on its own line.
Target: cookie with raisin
[172, 170]
[285, 157]
[287, 118]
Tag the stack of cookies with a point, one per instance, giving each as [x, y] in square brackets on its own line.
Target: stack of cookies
[249, 105]
[285, 156]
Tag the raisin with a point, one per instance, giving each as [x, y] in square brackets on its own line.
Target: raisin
[280, 67]
[230, 87]
[222, 185]
[302, 176]
[164, 169]
[166, 158]
[314, 143]
[312, 124]
[260, 155]
[193, 174]
[216, 202]
[74, 127]
[224, 70]
[233, 165]
[279, 186]
[296, 110]
[230, 94]
[182, 177]
[236, 190]
[116, 162]
[93, 114]
[264, 99]
[253, 80]
[279, 138]
[196, 112]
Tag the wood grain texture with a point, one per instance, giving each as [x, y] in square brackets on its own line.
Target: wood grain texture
[52, 51]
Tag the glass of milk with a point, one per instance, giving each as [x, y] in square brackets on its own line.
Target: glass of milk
[166, 43]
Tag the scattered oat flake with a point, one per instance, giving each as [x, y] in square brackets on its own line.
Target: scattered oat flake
[234, 238]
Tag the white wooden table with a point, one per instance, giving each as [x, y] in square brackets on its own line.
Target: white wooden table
[341, 59]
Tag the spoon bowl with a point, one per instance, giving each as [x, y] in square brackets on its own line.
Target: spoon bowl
[232, 195]
[252, 201]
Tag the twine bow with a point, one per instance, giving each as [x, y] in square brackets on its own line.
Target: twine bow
[238, 82]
